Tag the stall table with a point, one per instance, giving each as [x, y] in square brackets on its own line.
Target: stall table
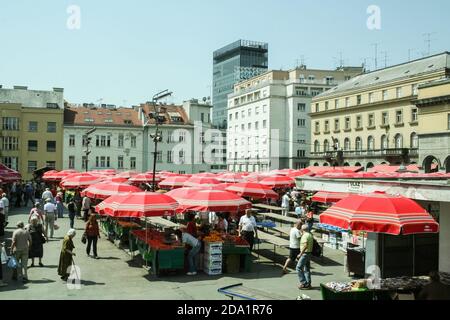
[277, 217]
[242, 249]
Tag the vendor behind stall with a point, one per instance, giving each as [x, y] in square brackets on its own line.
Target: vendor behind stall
[222, 223]
[191, 227]
[247, 227]
[195, 245]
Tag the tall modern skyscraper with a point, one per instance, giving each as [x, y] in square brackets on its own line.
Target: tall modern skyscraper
[233, 63]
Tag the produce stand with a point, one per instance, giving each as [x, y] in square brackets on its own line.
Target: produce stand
[235, 246]
[159, 254]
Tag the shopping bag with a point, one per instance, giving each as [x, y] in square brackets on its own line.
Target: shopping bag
[12, 263]
[84, 238]
[3, 256]
[55, 226]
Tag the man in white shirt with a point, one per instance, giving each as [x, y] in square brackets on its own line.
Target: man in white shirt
[5, 201]
[49, 217]
[285, 204]
[86, 206]
[247, 228]
[2, 220]
[294, 244]
[195, 244]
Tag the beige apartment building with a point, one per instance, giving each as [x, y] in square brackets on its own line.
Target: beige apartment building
[434, 125]
[372, 119]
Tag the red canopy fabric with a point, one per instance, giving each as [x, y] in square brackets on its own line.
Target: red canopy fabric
[137, 205]
[221, 186]
[144, 178]
[253, 190]
[80, 181]
[127, 174]
[392, 169]
[182, 192]
[212, 201]
[61, 175]
[380, 213]
[116, 179]
[199, 181]
[329, 197]
[104, 190]
[278, 182]
[8, 174]
[173, 182]
[231, 177]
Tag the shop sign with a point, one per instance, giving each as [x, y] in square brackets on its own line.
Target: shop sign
[355, 186]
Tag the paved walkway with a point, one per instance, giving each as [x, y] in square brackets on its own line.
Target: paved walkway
[116, 276]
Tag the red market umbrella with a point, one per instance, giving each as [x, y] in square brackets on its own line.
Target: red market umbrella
[221, 186]
[253, 190]
[144, 178]
[337, 175]
[63, 174]
[104, 190]
[80, 181]
[199, 181]
[127, 174]
[137, 205]
[182, 192]
[212, 201]
[49, 175]
[299, 173]
[231, 177]
[380, 213]
[116, 179]
[173, 182]
[329, 197]
[205, 174]
[278, 182]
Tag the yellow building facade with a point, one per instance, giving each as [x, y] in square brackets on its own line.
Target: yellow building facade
[372, 118]
[30, 138]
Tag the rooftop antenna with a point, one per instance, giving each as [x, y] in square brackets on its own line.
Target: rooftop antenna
[376, 55]
[428, 41]
[410, 51]
[385, 58]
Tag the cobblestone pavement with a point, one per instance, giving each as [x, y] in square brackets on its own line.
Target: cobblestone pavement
[117, 276]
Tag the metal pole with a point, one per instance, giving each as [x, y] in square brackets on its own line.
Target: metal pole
[155, 140]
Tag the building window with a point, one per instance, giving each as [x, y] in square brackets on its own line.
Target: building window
[385, 95]
[301, 91]
[159, 157]
[264, 124]
[181, 156]
[32, 166]
[230, 116]
[317, 127]
[347, 102]
[182, 135]
[264, 108]
[120, 162]
[337, 126]
[370, 143]
[249, 112]
[301, 122]
[33, 145]
[399, 141]
[236, 115]
[415, 89]
[249, 126]
[327, 126]
[358, 144]
[132, 163]
[385, 118]
[399, 117]
[301, 107]
[347, 144]
[358, 99]
[371, 97]
[51, 127]
[371, 120]
[72, 162]
[11, 162]
[10, 124]
[51, 146]
[347, 123]
[358, 122]
[317, 107]
[33, 126]
[72, 140]
[384, 142]
[51, 164]
[202, 117]
[399, 92]
[242, 127]
[326, 105]
[316, 146]
[256, 110]
[133, 141]
[169, 156]
[414, 115]
[120, 143]
[336, 103]
[301, 153]
[326, 146]
[84, 162]
[10, 144]
[414, 140]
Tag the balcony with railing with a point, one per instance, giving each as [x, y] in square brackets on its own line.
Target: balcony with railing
[380, 153]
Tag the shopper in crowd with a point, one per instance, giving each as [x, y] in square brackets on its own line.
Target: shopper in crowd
[37, 241]
[191, 227]
[36, 212]
[72, 212]
[435, 290]
[2, 284]
[304, 259]
[309, 218]
[66, 256]
[92, 234]
[49, 217]
[285, 203]
[21, 243]
[5, 201]
[2, 220]
[47, 195]
[85, 207]
[195, 245]
[78, 201]
[28, 194]
[222, 223]
[294, 245]
[59, 205]
[247, 227]
[19, 192]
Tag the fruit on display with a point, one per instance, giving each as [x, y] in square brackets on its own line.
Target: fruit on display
[213, 237]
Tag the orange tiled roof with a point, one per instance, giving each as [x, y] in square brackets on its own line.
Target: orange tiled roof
[75, 115]
[168, 111]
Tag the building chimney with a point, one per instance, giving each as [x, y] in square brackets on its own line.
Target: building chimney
[20, 88]
[58, 90]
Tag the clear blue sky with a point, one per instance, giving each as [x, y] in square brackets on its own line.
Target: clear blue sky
[128, 50]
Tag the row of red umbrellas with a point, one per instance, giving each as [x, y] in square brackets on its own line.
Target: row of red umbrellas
[8, 175]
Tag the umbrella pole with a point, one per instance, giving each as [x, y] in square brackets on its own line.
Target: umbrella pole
[146, 237]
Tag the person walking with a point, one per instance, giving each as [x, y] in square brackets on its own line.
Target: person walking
[37, 241]
[59, 205]
[47, 195]
[77, 199]
[36, 211]
[195, 245]
[85, 207]
[72, 212]
[294, 244]
[5, 202]
[19, 192]
[304, 259]
[21, 243]
[49, 217]
[285, 203]
[2, 220]
[67, 254]
[92, 234]
[247, 228]
[2, 284]
[28, 194]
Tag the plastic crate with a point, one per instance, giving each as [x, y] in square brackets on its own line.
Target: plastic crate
[212, 265]
[213, 258]
[212, 272]
[212, 249]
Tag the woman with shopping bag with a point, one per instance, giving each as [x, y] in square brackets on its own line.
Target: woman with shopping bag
[67, 254]
[3, 259]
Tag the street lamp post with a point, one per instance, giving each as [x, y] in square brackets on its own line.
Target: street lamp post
[157, 136]
[88, 142]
